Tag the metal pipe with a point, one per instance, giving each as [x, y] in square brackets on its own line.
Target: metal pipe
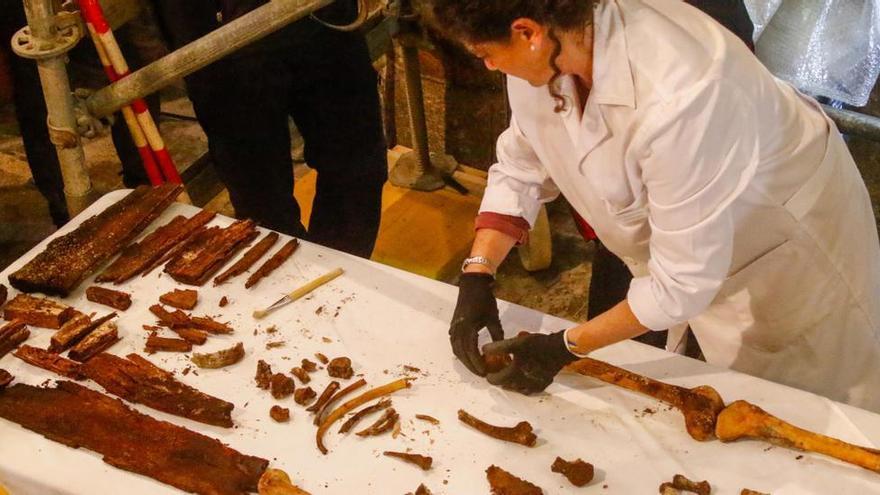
[855, 123]
[61, 118]
[251, 27]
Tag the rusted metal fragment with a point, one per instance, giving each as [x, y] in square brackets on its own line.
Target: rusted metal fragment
[143, 254]
[136, 379]
[109, 297]
[99, 340]
[180, 298]
[422, 461]
[340, 368]
[504, 483]
[79, 417]
[12, 335]
[68, 259]
[209, 251]
[219, 359]
[249, 258]
[280, 256]
[38, 311]
[75, 330]
[521, 433]
[578, 472]
[50, 361]
[162, 344]
[280, 414]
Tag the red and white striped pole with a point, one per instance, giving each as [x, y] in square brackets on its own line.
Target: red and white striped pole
[103, 37]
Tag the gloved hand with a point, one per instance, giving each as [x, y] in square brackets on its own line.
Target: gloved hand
[476, 308]
[537, 359]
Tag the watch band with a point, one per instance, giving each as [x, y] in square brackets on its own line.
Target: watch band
[478, 260]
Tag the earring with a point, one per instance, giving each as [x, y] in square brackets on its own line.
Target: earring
[533, 47]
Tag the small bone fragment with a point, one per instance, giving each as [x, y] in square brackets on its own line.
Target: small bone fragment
[162, 344]
[504, 483]
[281, 386]
[180, 298]
[666, 488]
[223, 302]
[742, 419]
[11, 335]
[419, 460]
[191, 335]
[356, 417]
[248, 258]
[303, 396]
[699, 487]
[578, 472]
[521, 433]
[301, 374]
[746, 491]
[322, 358]
[109, 297]
[429, 419]
[280, 256]
[340, 368]
[101, 339]
[699, 405]
[49, 361]
[38, 311]
[276, 482]
[328, 392]
[280, 414]
[352, 404]
[382, 425]
[76, 329]
[309, 366]
[421, 490]
[219, 359]
[5, 379]
[264, 375]
[338, 395]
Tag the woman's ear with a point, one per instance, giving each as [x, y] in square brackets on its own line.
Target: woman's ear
[525, 30]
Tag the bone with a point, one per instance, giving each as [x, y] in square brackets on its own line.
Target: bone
[277, 482]
[742, 419]
[356, 417]
[521, 433]
[578, 472]
[319, 414]
[219, 359]
[325, 397]
[422, 461]
[680, 483]
[382, 425]
[700, 405]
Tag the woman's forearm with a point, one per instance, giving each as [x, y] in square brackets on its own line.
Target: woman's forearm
[494, 246]
[617, 324]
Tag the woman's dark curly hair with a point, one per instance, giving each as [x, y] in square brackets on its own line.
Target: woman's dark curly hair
[481, 21]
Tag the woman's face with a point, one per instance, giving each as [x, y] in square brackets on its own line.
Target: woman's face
[525, 55]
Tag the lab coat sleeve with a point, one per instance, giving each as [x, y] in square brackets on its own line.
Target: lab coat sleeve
[518, 183]
[698, 152]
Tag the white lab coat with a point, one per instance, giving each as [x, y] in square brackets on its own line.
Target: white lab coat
[731, 197]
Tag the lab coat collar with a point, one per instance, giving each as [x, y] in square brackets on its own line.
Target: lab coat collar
[612, 73]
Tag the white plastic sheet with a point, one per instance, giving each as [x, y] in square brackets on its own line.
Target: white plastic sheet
[384, 318]
[827, 48]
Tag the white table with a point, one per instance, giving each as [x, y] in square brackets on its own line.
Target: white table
[383, 318]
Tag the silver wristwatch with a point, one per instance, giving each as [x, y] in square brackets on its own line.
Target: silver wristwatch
[478, 260]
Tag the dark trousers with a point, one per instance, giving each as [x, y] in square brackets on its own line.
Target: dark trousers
[31, 113]
[325, 81]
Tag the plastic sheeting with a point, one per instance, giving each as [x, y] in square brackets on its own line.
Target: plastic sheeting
[826, 48]
[383, 319]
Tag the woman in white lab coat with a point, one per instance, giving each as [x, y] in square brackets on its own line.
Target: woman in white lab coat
[731, 197]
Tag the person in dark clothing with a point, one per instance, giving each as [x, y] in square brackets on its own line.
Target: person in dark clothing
[325, 81]
[31, 113]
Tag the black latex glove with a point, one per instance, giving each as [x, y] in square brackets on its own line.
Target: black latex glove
[476, 309]
[537, 359]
